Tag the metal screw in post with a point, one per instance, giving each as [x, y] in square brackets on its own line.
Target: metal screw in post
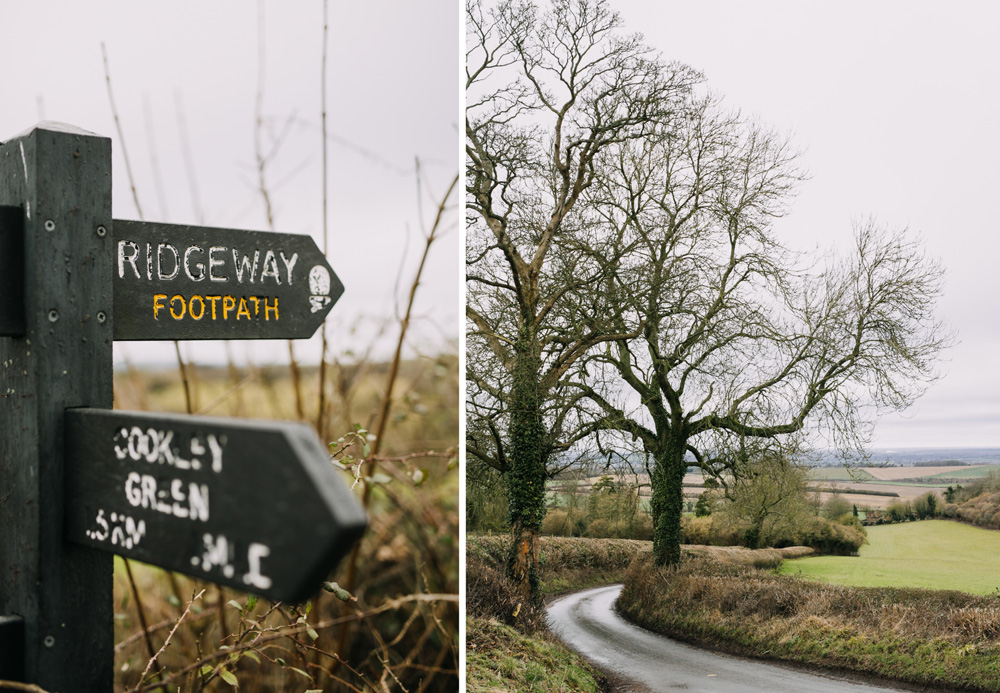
[53, 315]
[101, 231]
[50, 225]
[49, 641]
[101, 317]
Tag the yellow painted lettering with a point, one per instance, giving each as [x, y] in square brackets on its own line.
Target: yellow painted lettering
[201, 311]
[157, 305]
[268, 308]
[174, 315]
[243, 310]
[256, 305]
[213, 299]
[228, 304]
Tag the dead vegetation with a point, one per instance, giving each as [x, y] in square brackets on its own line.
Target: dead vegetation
[928, 637]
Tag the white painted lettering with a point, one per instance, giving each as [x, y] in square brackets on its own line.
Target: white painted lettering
[122, 258]
[103, 533]
[270, 268]
[216, 447]
[120, 452]
[134, 532]
[132, 488]
[159, 261]
[178, 495]
[244, 266]
[198, 501]
[138, 444]
[199, 266]
[255, 578]
[289, 264]
[213, 263]
[148, 491]
[164, 453]
[152, 441]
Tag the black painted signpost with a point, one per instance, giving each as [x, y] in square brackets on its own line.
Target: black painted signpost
[192, 282]
[252, 504]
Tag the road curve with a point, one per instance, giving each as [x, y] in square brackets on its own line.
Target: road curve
[587, 622]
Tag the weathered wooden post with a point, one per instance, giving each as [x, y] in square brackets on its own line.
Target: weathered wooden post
[60, 179]
[254, 505]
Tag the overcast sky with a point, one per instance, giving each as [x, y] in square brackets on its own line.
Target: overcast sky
[896, 105]
[392, 94]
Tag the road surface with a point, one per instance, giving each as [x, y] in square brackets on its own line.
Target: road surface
[587, 622]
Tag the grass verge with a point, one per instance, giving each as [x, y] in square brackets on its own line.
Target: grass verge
[508, 647]
[501, 658]
[933, 638]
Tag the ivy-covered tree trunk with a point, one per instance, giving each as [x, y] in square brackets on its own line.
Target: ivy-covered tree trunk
[526, 474]
[667, 503]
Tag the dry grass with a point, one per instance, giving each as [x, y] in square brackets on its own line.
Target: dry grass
[403, 617]
[565, 563]
[920, 636]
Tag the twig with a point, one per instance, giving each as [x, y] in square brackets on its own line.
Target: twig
[154, 158]
[118, 127]
[321, 411]
[412, 456]
[166, 642]
[17, 686]
[265, 194]
[188, 404]
[142, 616]
[188, 159]
[250, 377]
[269, 635]
[207, 613]
[390, 383]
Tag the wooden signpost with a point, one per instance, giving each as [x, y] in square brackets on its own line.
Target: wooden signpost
[252, 504]
[192, 282]
[255, 505]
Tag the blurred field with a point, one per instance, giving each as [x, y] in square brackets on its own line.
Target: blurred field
[900, 473]
[839, 474]
[399, 627]
[933, 554]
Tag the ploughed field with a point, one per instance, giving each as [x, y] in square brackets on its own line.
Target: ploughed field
[866, 487]
[932, 554]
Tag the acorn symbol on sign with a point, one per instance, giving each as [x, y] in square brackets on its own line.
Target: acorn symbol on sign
[319, 287]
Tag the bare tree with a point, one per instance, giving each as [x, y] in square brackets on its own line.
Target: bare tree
[547, 94]
[738, 343]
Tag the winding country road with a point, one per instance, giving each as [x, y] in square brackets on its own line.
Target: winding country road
[587, 622]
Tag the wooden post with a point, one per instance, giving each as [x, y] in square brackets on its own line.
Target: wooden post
[61, 179]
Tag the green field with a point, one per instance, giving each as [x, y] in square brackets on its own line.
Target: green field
[935, 554]
[967, 473]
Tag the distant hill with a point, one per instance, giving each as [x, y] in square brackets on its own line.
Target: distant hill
[923, 457]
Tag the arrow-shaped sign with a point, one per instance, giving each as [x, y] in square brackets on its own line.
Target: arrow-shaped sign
[196, 282]
[252, 504]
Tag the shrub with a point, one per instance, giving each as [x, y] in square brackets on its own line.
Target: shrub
[557, 523]
[829, 537]
[696, 530]
[851, 520]
[705, 504]
[900, 511]
[835, 507]
[926, 505]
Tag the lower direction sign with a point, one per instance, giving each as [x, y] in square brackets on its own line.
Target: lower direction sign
[256, 505]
